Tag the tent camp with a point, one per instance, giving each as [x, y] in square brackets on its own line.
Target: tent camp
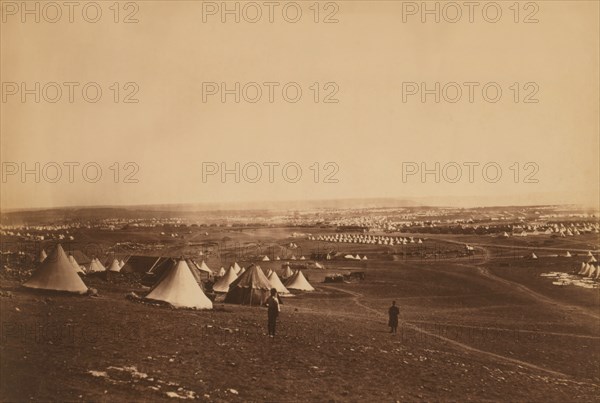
[222, 284]
[56, 273]
[251, 288]
[114, 266]
[298, 282]
[75, 266]
[179, 288]
[277, 284]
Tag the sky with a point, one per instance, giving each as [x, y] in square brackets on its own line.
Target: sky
[166, 135]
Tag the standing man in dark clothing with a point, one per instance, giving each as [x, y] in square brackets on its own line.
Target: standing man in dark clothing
[393, 322]
[273, 311]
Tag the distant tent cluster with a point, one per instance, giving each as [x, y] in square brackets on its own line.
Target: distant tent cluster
[560, 230]
[357, 257]
[366, 239]
[252, 286]
[590, 268]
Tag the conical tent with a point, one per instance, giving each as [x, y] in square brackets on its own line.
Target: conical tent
[42, 256]
[121, 263]
[251, 288]
[96, 266]
[222, 284]
[277, 284]
[74, 264]
[204, 267]
[179, 288]
[592, 272]
[287, 272]
[237, 268]
[194, 269]
[592, 259]
[364, 257]
[221, 272]
[533, 255]
[298, 282]
[114, 266]
[56, 273]
[568, 254]
[265, 259]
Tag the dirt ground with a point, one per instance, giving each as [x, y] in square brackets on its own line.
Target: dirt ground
[489, 329]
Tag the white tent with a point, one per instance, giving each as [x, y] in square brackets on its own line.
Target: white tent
[276, 283]
[589, 253]
[364, 257]
[319, 265]
[265, 259]
[293, 257]
[56, 273]
[114, 266]
[357, 257]
[592, 272]
[533, 255]
[75, 265]
[349, 257]
[277, 258]
[287, 272]
[42, 256]
[222, 284]
[203, 267]
[121, 263]
[179, 288]
[592, 259]
[581, 270]
[586, 271]
[298, 282]
[568, 254]
[96, 266]
[236, 268]
[221, 272]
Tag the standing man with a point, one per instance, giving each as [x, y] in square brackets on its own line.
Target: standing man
[273, 311]
[393, 313]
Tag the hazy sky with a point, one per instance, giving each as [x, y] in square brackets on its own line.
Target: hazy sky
[369, 135]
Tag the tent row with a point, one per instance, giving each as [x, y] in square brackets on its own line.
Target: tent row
[589, 270]
[366, 239]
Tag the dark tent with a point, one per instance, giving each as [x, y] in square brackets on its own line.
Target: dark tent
[251, 288]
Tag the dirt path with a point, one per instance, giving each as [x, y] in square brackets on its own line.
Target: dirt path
[356, 297]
